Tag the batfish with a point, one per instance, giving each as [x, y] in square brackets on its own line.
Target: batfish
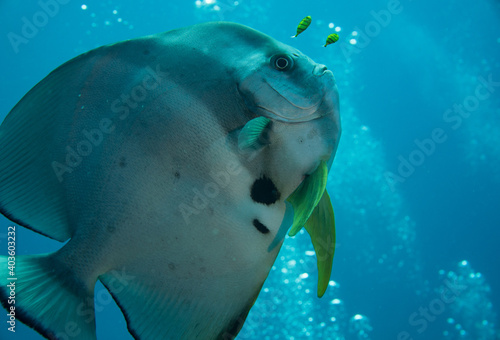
[172, 166]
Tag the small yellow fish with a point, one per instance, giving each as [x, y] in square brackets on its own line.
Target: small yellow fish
[304, 24]
[332, 38]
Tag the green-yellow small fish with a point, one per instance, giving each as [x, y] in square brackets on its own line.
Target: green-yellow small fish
[332, 38]
[303, 25]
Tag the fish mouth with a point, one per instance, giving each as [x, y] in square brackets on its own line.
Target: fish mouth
[295, 113]
[287, 101]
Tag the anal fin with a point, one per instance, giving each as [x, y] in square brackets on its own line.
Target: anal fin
[47, 298]
[157, 307]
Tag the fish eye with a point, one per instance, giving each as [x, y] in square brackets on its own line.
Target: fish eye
[282, 62]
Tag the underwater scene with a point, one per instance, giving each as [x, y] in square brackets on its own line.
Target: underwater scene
[315, 170]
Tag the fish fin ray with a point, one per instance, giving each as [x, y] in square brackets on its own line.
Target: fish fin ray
[321, 228]
[48, 300]
[34, 149]
[307, 196]
[252, 136]
[135, 300]
[157, 308]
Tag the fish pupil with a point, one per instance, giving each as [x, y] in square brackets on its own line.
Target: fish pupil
[281, 63]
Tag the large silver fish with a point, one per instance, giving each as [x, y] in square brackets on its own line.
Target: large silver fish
[173, 165]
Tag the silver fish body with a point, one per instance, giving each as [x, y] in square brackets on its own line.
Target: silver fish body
[130, 152]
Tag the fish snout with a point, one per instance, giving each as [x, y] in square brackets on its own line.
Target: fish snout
[319, 70]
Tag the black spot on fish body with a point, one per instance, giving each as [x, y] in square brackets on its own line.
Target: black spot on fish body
[264, 191]
[123, 162]
[260, 227]
[177, 175]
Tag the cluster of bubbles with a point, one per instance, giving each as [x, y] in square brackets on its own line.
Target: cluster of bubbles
[216, 6]
[288, 305]
[113, 19]
[381, 234]
[479, 131]
[232, 10]
[482, 140]
[359, 325]
[471, 315]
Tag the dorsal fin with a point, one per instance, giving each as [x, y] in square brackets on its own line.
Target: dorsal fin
[31, 140]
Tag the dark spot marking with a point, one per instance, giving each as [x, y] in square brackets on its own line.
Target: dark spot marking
[146, 52]
[123, 162]
[177, 175]
[234, 326]
[264, 191]
[313, 133]
[260, 227]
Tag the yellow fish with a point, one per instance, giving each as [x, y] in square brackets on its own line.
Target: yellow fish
[303, 25]
[332, 38]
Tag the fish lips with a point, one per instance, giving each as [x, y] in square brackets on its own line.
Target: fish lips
[282, 100]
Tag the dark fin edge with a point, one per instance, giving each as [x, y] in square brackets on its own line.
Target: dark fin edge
[41, 283]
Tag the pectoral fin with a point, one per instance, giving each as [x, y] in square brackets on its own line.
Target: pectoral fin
[321, 228]
[253, 134]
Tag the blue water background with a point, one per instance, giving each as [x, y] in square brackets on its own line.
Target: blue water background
[400, 243]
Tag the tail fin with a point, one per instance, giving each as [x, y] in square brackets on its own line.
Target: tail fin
[47, 298]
